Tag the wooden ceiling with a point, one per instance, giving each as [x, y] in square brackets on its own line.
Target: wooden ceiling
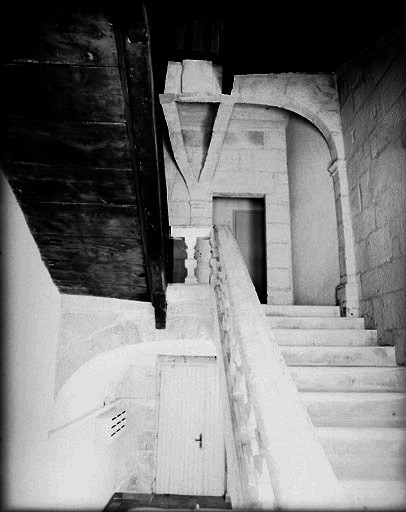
[80, 148]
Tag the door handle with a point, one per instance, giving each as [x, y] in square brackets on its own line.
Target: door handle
[200, 440]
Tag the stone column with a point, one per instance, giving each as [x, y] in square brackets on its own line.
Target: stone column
[347, 290]
[277, 218]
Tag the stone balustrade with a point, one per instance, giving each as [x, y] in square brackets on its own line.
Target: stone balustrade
[197, 250]
[281, 462]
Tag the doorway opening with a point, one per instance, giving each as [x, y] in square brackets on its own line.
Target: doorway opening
[245, 216]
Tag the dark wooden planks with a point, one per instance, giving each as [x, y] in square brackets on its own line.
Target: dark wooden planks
[67, 144]
[85, 220]
[35, 184]
[67, 150]
[63, 93]
[142, 115]
[59, 34]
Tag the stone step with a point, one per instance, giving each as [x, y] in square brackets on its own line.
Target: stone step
[314, 322]
[339, 356]
[349, 379]
[334, 409]
[378, 494]
[327, 337]
[291, 310]
[365, 453]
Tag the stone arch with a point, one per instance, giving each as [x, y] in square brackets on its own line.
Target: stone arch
[324, 115]
[312, 96]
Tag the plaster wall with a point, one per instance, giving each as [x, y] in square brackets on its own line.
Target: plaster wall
[32, 318]
[120, 374]
[372, 94]
[315, 265]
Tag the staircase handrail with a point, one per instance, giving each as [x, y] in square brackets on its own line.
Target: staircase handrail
[280, 457]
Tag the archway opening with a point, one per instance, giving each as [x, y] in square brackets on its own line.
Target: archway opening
[315, 262]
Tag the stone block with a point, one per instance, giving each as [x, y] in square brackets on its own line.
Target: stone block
[280, 297]
[279, 279]
[387, 278]
[179, 213]
[399, 340]
[250, 139]
[262, 160]
[278, 233]
[280, 189]
[385, 338]
[275, 139]
[364, 224]
[379, 247]
[394, 310]
[199, 77]
[395, 82]
[246, 160]
[391, 204]
[229, 160]
[258, 112]
[173, 78]
[279, 256]
[179, 191]
[387, 171]
[197, 137]
[277, 212]
[388, 130]
[361, 256]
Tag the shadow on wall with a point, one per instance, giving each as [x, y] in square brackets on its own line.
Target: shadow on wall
[315, 263]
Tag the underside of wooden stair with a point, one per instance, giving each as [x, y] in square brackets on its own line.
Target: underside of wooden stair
[355, 395]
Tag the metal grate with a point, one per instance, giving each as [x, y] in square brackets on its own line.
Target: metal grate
[118, 423]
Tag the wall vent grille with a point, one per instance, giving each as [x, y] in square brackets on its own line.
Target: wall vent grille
[110, 424]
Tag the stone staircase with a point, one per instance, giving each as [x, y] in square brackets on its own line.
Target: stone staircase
[356, 397]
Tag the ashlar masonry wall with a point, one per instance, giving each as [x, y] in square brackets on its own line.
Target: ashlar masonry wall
[372, 94]
[235, 146]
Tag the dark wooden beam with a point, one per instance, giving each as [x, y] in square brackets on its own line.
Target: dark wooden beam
[132, 35]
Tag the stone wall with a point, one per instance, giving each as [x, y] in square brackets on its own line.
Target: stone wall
[235, 145]
[372, 93]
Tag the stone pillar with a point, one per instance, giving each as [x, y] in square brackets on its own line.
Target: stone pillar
[347, 290]
[278, 229]
[198, 252]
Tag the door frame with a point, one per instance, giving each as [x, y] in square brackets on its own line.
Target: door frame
[165, 360]
[267, 228]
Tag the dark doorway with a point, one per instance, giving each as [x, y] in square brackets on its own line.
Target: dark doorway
[246, 218]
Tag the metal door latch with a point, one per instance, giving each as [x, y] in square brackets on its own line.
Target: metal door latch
[200, 440]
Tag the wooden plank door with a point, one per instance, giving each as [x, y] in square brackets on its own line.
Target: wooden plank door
[190, 446]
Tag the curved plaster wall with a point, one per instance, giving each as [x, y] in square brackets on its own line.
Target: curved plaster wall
[125, 372]
[315, 267]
